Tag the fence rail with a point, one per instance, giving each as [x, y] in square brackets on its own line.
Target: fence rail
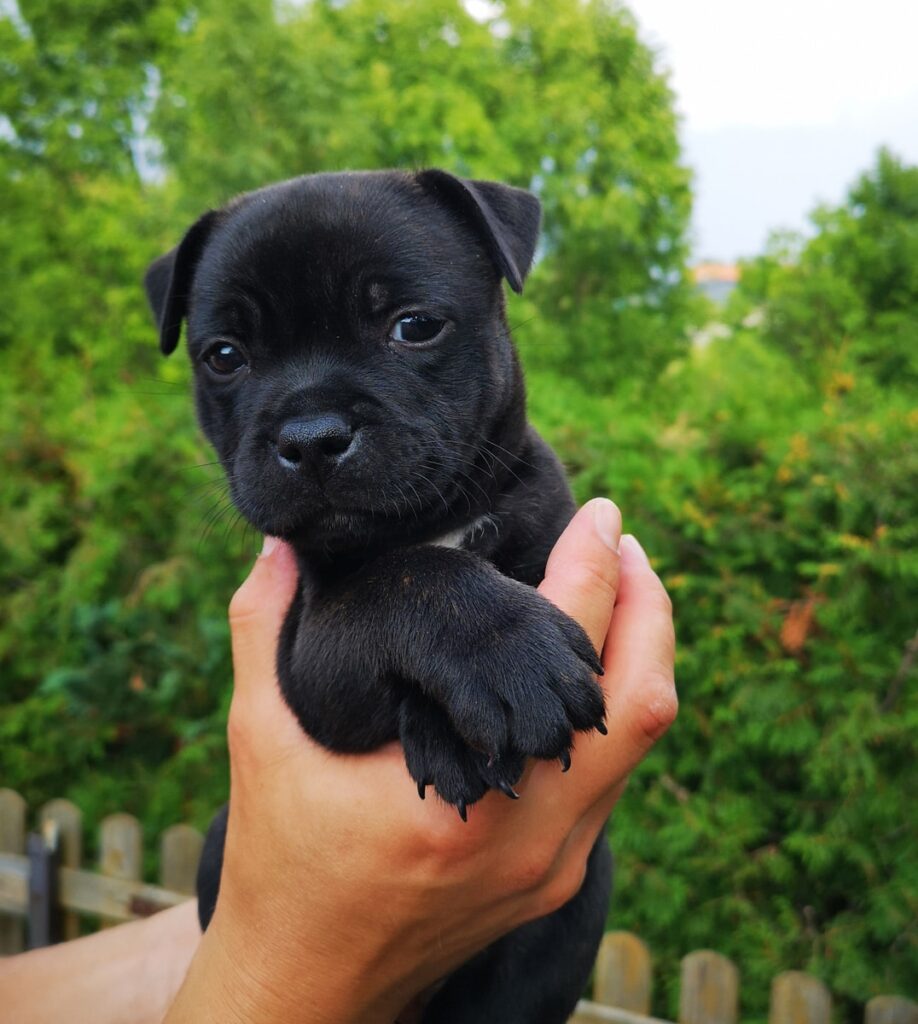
[113, 890]
[49, 888]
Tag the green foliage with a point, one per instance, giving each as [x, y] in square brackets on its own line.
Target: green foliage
[73, 79]
[772, 823]
[112, 643]
[556, 96]
[772, 476]
[852, 286]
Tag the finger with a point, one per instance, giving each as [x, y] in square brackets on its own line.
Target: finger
[257, 612]
[639, 686]
[642, 647]
[581, 577]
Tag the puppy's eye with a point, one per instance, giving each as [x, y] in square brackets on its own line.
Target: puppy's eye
[225, 359]
[417, 327]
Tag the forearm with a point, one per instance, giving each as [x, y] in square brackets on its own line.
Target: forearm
[239, 976]
[124, 975]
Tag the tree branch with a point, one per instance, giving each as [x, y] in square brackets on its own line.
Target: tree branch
[902, 673]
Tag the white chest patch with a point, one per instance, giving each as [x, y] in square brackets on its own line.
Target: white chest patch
[462, 536]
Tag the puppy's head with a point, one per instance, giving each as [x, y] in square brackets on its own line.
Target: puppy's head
[351, 358]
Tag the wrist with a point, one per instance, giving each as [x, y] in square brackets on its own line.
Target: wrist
[242, 975]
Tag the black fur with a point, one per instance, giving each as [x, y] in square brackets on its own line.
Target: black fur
[364, 451]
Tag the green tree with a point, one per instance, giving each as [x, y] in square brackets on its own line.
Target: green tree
[557, 96]
[123, 120]
[112, 647]
[853, 287]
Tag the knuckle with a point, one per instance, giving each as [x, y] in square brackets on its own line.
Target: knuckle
[449, 842]
[562, 887]
[242, 606]
[595, 577]
[660, 706]
[237, 731]
[247, 749]
[533, 869]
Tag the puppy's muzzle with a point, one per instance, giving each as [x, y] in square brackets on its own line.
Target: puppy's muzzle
[317, 444]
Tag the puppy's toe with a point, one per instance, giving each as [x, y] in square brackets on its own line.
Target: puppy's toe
[436, 756]
[539, 727]
[581, 696]
[503, 773]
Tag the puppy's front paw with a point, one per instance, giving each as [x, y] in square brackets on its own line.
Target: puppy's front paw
[515, 685]
[437, 756]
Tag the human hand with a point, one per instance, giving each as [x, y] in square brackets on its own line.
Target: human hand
[342, 894]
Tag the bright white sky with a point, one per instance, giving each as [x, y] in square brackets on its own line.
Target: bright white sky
[783, 103]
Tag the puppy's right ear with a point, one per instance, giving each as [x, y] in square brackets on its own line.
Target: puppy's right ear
[168, 281]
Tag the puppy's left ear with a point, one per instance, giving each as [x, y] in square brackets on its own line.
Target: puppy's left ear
[168, 281]
[507, 218]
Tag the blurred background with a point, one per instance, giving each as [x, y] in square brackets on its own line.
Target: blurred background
[749, 399]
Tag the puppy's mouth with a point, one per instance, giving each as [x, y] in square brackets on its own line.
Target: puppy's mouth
[323, 489]
[295, 513]
[331, 527]
[344, 513]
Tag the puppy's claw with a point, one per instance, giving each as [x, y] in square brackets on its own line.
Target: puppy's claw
[422, 789]
[463, 812]
[601, 728]
[565, 758]
[507, 789]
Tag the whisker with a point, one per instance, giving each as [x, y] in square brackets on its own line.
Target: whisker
[419, 509]
[212, 520]
[199, 465]
[522, 323]
[428, 463]
[150, 394]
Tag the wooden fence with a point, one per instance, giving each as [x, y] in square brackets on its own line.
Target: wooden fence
[44, 883]
[710, 990]
[42, 880]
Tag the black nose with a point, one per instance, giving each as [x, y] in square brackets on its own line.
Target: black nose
[320, 441]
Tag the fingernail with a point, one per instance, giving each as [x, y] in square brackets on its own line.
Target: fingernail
[608, 522]
[270, 543]
[630, 542]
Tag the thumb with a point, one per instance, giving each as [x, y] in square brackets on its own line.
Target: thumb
[257, 612]
[581, 577]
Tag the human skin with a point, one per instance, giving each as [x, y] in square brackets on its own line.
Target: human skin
[123, 975]
[342, 894]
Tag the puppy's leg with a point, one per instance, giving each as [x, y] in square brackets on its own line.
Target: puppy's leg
[431, 641]
[210, 866]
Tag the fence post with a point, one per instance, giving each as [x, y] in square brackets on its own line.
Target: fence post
[69, 822]
[120, 850]
[891, 1010]
[798, 998]
[180, 851]
[43, 852]
[12, 840]
[622, 976]
[709, 992]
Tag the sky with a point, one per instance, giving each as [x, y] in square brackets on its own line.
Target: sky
[783, 104]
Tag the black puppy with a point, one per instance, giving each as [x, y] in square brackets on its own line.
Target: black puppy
[355, 373]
